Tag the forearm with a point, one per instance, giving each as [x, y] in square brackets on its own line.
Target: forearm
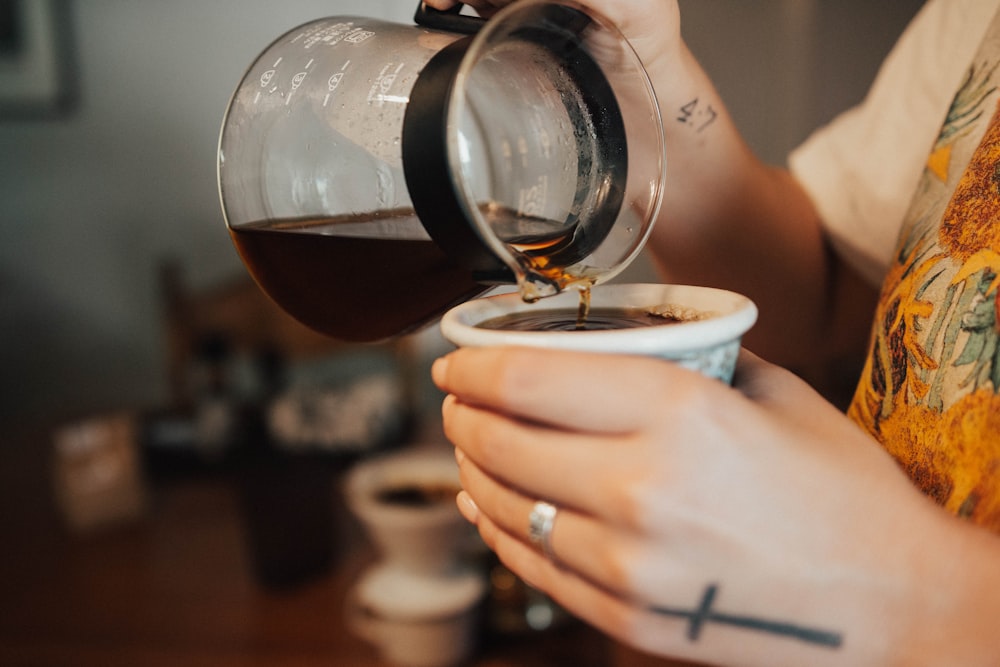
[731, 221]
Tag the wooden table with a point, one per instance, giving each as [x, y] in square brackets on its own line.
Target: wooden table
[176, 587]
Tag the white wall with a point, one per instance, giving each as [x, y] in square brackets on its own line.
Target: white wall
[90, 203]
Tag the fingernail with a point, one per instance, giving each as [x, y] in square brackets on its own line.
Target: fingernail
[459, 456]
[439, 371]
[467, 506]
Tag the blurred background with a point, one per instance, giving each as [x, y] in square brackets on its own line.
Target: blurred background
[96, 195]
[109, 215]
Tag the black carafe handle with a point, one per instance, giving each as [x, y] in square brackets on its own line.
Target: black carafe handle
[449, 19]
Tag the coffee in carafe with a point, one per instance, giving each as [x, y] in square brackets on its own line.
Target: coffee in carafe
[373, 174]
[329, 279]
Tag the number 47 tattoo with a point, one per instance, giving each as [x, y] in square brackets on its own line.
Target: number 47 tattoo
[697, 114]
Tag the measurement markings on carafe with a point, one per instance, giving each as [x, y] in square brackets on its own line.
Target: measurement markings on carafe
[332, 34]
[265, 80]
[334, 81]
[328, 35]
[378, 94]
[298, 79]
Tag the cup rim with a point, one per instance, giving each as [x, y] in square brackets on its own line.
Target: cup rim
[732, 316]
[401, 466]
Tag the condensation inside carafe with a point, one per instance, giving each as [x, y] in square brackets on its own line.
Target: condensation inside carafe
[537, 167]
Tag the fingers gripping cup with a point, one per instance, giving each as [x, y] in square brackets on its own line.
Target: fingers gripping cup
[697, 327]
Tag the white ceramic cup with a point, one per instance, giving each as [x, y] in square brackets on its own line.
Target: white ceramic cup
[707, 341]
[416, 620]
[428, 538]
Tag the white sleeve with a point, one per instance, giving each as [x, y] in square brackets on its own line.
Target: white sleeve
[861, 170]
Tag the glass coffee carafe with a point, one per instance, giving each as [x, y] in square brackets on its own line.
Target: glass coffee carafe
[374, 174]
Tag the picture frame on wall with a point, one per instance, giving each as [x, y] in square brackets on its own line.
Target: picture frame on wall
[36, 56]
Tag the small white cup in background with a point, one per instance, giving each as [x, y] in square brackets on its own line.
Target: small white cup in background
[430, 538]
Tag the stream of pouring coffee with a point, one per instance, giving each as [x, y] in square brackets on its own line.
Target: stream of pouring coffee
[536, 250]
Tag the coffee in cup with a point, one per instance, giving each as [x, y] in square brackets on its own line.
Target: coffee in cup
[706, 325]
